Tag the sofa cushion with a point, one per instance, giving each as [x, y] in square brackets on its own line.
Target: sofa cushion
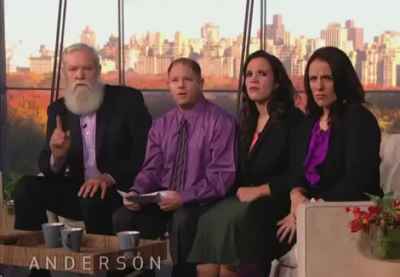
[390, 164]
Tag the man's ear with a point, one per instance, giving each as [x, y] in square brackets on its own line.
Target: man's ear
[201, 82]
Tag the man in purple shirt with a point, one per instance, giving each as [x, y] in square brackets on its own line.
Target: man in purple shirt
[99, 132]
[191, 157]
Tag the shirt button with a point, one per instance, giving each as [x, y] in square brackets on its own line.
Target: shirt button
[87, 133]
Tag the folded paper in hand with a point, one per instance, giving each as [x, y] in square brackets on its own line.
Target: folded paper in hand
[153, 197]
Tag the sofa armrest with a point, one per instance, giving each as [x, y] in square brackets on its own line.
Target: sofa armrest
[326, 247]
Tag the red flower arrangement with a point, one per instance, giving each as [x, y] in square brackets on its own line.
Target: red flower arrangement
[385, 213]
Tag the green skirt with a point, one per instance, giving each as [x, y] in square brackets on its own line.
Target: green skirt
[218, 233]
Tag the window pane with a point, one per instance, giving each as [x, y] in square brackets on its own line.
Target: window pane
[161, 31]
[30, 28]
[226, 100]
[96, 23]
[386, 108]
[27, 119]
[351, 25]
[160, 102]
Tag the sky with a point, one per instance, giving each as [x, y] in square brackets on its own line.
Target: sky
[35, 21]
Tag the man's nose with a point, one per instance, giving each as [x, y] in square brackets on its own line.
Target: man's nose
[80, 74]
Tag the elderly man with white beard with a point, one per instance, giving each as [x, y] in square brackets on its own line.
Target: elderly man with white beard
[99, 133]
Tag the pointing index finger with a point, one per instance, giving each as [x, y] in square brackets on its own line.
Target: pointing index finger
[59, 123]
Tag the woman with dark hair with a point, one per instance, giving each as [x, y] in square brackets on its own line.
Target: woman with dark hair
[268, 122]
[340, 151]
[337, 157]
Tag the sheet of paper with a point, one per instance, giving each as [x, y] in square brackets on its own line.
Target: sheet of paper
[144, 199]
[153, 197]
[123, 194]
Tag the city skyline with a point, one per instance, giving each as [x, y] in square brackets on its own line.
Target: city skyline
[230, 26]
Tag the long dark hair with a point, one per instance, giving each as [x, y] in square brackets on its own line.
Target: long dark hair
[280, 101]
[348, 88]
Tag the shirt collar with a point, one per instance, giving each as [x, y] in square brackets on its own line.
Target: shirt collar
[192, 114]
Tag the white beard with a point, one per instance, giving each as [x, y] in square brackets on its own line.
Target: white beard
[84, 100]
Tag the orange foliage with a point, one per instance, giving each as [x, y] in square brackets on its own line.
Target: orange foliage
[216, 82]
[28, 79]
[32, 104]
[379, 87]
[29, 104]
[139, 81]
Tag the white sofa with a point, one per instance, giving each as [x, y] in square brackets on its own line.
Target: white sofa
[326, 247]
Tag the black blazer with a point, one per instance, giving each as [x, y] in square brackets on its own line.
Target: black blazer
[269, 160]
[351, 166]
[122, 125]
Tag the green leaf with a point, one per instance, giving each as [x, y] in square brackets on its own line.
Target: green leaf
[387, 200]
[390, 193]
[8, 191]
[376, 199]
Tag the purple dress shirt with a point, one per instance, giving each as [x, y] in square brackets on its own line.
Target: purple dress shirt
[319, 145]
[211, 167]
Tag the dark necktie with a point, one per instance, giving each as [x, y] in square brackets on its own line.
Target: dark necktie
[179, 169]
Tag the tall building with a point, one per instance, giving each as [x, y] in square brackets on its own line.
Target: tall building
[88, 36]
[210, 33]
[356, 35]
[369, 67]
[387, 68]
[335, 35]
[159, 43]
[152, 65]
[151, 39]
[277, 20]
[349, 24]
[10, 65]
[42, 64]
[276, 31]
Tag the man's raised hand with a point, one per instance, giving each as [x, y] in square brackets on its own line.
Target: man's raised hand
[60, 142]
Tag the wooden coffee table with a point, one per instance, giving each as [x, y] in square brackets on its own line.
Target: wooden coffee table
[98, 253]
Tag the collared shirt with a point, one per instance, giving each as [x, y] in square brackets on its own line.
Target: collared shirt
[211, 166]
[318, 148]
[88, 130]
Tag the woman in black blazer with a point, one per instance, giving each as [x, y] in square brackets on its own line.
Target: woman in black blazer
[269, 123]
[337, 157]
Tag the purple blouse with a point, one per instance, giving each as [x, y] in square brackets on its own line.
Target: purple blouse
[317, 150]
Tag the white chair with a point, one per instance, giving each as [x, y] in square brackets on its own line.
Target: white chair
[324, 242]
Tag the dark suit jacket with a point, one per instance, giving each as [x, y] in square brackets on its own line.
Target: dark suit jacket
[269, 160]
[122, 125]
[351, 166]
